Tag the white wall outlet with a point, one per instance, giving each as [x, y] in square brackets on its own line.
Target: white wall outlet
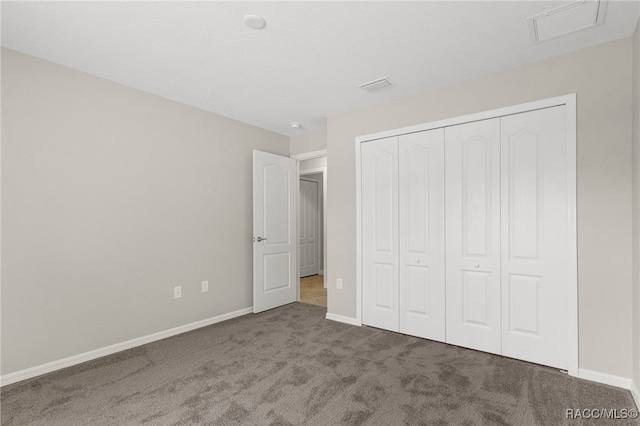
[177, 292]
[205, 286]
[339, 283]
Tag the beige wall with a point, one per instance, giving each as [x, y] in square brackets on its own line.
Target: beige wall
[308, 142]
[601, 77]
[636, 207]
[313, 163]
[111, 197]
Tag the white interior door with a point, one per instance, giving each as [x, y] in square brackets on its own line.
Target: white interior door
[535, 238]
[309, 228]
[379, 195]
[421, 185]
[472, 155]
[275, 188]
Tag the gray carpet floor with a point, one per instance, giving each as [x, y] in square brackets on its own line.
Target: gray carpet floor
[290, 366]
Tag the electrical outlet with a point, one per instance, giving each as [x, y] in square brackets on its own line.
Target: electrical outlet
[205, 286]
[177, 292]
[339, 283]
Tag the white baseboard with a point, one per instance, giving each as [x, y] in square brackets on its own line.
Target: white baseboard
[38, 370]
[340, 318]
[607, 379]
[635, 391]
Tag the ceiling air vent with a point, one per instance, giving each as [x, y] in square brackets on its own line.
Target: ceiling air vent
[375, 85]
[566, 19]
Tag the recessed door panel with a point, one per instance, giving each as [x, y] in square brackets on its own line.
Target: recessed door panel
[384, 286]
[379, 195]
[385, 183]
[525, 307]
[276, 271]
[476, 298]
[417, 287]
[535, 240]
[422, 286]
[476, 196]
[417, 196]
[276, 200]
[472, 156]
[525, 192]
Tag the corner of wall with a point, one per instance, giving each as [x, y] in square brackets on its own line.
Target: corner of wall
[636, 214]
[308, 142]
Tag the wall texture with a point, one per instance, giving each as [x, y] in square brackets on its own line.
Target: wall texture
[601, 77]
[308, 142]
[111, 197]
[636, 209]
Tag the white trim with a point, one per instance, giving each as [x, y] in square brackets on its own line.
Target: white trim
[346, 320]
[607, 379]
[635, 392]
[570, 103]
[298, 233]
[499, 112]
[358, 232]
[309, 155]
[38, 370]
[572, 275]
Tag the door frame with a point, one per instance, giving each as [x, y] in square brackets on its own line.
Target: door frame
[323, 170]
[569, 101]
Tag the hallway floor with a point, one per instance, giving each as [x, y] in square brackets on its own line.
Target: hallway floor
[312, 290]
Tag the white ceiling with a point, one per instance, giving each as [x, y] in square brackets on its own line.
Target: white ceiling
[305, 64]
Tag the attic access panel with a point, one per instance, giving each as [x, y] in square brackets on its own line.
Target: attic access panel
[567, 19]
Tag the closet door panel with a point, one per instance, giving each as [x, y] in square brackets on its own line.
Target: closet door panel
[472, 153]
[535, 219]
[421, 186]
[379, 195]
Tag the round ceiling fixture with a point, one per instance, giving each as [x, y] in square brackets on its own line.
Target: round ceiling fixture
[254, 21]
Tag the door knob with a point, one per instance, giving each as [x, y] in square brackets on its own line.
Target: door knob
[417, 260]
[477, 265]
[260, 239]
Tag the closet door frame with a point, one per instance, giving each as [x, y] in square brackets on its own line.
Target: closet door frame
[569, 101]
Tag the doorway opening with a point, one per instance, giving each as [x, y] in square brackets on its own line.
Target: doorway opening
[312, 229]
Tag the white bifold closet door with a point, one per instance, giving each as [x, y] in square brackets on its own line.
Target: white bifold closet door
[379, 195]
[472, 167]
[466, 235]
[402, 193]
[507, 240]
[422, 285]
[535, 238]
